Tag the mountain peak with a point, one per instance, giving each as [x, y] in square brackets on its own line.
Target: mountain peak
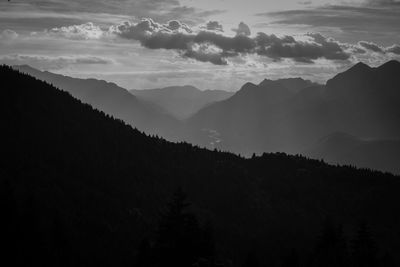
[248, 85]
[360, 66]
[266, 82]
[390, 65]
[355, 73]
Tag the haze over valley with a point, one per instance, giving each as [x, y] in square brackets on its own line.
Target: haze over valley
[289, 115]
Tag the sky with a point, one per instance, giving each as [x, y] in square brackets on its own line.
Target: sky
[211, 44]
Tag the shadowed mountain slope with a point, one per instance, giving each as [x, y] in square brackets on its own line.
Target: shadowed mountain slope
[362, 101]
[264, 117]
[113, 100]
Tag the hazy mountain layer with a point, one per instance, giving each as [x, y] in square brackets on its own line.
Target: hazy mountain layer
[181, 101]
[362, 101]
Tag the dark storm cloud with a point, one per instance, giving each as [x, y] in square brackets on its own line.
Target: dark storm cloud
[288, 47]
[209, 46]
[395, 49]
[213, 26]
[203, 55]
[371, 46]
[363, 45]
[242, 29]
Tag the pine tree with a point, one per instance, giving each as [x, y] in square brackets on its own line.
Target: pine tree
[364, 248]
[291, 260]
[331, 249]
[181, 241]
[144, 255]
[251, 260]
[8, 224]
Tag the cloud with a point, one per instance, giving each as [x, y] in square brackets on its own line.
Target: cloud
[305, 3]
[52, 63]
[216, 48]
[205, 45]
[395, 49]
[213, 26]
[205, 53]
[85, 31]
[161, 10]
[302, 51]
[363, 45]
[349, 23]
[8, 35]
[147, 28]
[372, 46]
[242, 29]
[383, 2]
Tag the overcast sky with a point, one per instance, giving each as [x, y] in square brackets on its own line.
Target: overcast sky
[212, 44]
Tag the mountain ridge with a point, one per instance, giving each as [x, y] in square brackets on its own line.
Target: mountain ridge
[181, 101]
[362, 101]
[113, 100]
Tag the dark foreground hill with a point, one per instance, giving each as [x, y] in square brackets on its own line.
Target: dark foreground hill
[79, 188]
[113, 100]
[342, 148]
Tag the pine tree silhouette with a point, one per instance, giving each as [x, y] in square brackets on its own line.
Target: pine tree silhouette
[291, 260]
[251, 260]
[180, 239]
[331, 249]
[364, 248]
[144, 257]
[8, 224]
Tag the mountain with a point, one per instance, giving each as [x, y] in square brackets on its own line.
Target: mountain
[296, 84]
[263, 117]
[80, 188]
[361, 101]
[365, 101]
[340, 148]
[113, 100]
[181, 101]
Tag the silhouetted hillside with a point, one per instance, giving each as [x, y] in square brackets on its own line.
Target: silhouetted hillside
[181, 101]
[113, 100]
[341, 148]
[80, 188]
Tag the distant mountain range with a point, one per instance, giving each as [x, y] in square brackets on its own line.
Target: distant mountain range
[264, 117]
[290, 115]
[362, 101]
[79, 188]
[113, 100]
[181, 101]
